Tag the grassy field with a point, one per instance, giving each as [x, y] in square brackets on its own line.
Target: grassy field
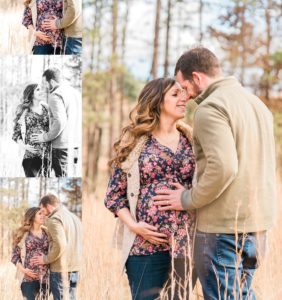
[13, 35]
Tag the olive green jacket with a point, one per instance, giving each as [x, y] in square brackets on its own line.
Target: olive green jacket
[65, 241]
[235, 156]
[72, 18]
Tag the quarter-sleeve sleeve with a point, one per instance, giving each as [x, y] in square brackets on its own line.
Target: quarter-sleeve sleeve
[17, 135]
[16, 257]
[27, 17]
[116, 196]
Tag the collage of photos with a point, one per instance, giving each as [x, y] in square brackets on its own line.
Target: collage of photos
[140, 150]
[41, 150]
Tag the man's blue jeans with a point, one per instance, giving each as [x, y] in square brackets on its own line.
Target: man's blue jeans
[72, 46]
[63, 284]
[226, 263]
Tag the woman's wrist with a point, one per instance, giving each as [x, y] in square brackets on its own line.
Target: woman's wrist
[133, 226]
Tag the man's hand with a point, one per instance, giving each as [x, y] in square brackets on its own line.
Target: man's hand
[149, 233]
[37, 260]
[169, 199]
[37, 137]
[50, 24]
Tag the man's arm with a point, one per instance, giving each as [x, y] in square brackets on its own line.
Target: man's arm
[71, 14]
[59, 121]
[213, 132]
[59, 241]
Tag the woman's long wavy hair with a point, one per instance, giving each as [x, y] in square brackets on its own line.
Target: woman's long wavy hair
[27, 100]
[27, 2]
[144, 117]
[27, 224]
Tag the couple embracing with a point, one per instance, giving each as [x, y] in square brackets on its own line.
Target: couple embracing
[47, 251]
[194, 204]
[49, 132]
[55, 26]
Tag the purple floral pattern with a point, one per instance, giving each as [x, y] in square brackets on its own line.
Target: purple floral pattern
[159, 167]
[45, 10]
[34, 246]
[35, 123]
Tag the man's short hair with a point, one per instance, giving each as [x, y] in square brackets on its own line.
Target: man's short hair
[198, 59]
[52, 73]
[49, 199]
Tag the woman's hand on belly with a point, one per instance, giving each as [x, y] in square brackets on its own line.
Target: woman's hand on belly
[31, 149]
[42, 36]
[31, 274]
[150, 233]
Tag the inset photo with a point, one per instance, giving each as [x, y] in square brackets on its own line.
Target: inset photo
[40, 115]
[41, 27]
[41, 238]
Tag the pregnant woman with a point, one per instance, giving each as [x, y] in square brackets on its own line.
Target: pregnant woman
[42, 41]
[31, 240]
[32, 116]
[154, 152]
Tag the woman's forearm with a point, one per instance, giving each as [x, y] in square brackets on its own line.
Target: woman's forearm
[125, 216]
[20, 267]
[31, 29]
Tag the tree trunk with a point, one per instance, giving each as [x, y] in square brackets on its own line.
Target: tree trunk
[168, 21]
[113, 79]
[154, 70]
[201, 34]
[122, 81]
[267, 67]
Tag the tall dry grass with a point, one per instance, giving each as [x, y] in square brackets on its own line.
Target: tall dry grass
[13, 35]
[101, 277]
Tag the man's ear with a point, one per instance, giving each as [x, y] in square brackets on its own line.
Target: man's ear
[196, 78]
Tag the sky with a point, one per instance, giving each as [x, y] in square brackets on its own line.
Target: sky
[141, 32]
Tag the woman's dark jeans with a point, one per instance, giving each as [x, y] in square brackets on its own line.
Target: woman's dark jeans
[35, 167]
[147, 274]
[31, 289]
[45, 50]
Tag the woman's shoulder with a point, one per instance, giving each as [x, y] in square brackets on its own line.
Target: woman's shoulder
[186, 130]
[135, 153]
[44, 229]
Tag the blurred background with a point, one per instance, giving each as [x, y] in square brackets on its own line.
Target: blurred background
[127, 43]
[13, 35]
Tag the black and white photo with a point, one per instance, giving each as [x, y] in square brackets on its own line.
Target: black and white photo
[41, 117]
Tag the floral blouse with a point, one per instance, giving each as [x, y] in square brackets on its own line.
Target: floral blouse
[159, 167]
[34, 246]
[45, 10]
[35, 123]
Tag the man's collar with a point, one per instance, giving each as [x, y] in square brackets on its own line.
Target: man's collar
[230, 80]
[54, 211]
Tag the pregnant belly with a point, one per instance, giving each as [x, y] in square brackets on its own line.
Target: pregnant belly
[166, 221]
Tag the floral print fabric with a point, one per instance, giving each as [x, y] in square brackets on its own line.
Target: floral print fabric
[34, 246]
[35, 123]
[46, 9]
[159, 167]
